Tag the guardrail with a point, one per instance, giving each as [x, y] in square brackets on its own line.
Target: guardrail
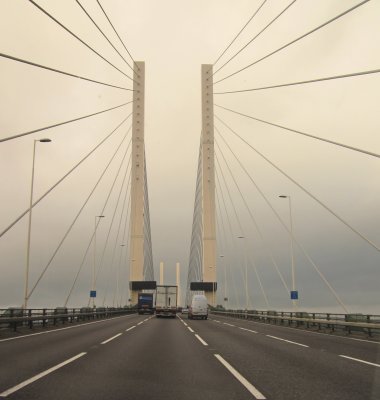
[12, 318]
[369, 324]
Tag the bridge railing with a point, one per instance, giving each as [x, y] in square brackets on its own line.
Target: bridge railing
[12, 318]
[349, 323]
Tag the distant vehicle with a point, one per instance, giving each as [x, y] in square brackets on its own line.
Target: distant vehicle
[185, 311]
[145, 303]
[166, 301]
[199, 307]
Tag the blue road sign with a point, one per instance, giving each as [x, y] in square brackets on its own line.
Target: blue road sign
[294, 295]
[92, 293]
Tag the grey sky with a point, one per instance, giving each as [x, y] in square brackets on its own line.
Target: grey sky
[174, 38]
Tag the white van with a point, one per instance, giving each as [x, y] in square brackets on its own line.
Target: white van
[199, 307]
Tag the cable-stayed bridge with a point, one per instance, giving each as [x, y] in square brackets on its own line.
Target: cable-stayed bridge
[281, 229]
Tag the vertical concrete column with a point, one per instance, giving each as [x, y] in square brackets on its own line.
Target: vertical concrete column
[161, 273]
[178, 283]
[208, 181]
[137, 179]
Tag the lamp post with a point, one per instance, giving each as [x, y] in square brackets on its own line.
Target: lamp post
[25, 305]
[294, 292]
[93, 289]
[245, 271]
[225, 280]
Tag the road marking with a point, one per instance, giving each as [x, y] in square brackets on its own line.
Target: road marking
[185, 323]
[249, 330]
[112, 338]
[225, 323]
[201, 340]
[190, 329]
[362, 361]
[217, 321]
[63, 329]
[140, 323]
[248, 385]
[39, 376]
[289, 341]
[129, 329]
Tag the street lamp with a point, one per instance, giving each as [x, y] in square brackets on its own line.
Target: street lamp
[294, 292]
[225, 278]
[245, 272]
[30, 223]
[93, 289]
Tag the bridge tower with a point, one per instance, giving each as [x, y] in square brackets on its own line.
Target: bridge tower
[208, 186]
[140, 253]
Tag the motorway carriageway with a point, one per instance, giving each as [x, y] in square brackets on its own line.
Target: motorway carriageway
[144, 357]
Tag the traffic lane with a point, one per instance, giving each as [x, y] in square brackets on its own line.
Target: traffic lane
[26, 356]
[288, 371]
[357, 348]
[159, 359]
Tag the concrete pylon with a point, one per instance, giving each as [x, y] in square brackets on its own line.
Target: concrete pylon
[178, 283]
[208, 184]
[161, 273]
[137, 182]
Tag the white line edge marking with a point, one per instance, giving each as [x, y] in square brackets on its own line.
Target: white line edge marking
[361, 361]
[258, 395]
[248, 330]
[201, 340]
[112, 338]
[190, 329]
[315, 333]
[225, 323]
[39, 376]
[285, 340]
[63, 329]
[129, 329]
[140, 323]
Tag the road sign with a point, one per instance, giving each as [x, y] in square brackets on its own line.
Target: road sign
[294, 295]
[92, 293]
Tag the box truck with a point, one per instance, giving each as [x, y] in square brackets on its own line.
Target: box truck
[145, 303]
[166, 301]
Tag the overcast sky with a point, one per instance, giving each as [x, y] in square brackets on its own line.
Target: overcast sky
[174, 38]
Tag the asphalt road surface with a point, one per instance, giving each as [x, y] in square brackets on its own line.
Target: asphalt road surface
[144, 357]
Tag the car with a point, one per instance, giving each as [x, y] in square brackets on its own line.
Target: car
[185, 311]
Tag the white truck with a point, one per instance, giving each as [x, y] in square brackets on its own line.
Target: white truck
[166, 301]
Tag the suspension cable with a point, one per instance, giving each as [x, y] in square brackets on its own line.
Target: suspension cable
[294, 41]
[125, 47]
[269, 251]
[64, 177]
[303, 189]
[60, 71]
[370, 153]
[255, 37]
[62, 123]
[97, 26]
[77, 216]
[334, 293]
[241, 30]
[374, 71]
[79, 39]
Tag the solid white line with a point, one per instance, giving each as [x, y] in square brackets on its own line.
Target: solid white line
[190, 329]
[258, 395]
[39, 376]
[362, 361]
[289, 341]
[225, 323]
[129, 329]
[249, 330]
[201, 340]
[112, 338]
[63, 329]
